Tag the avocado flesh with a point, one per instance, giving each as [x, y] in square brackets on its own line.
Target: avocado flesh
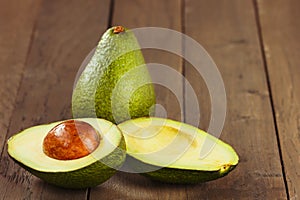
[89, 171]
[115, 85]
[169, 151]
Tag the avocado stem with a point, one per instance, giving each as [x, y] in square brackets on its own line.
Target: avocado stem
[118, 29]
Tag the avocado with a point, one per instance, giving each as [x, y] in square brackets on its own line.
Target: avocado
[170, 151]
[115, 85]
[28, 150]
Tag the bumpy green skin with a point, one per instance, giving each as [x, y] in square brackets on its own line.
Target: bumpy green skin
[89, 176]
[115, 55]
[173, 175]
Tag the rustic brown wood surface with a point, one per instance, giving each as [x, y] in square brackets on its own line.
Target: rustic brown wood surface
[17, 21]
[233, 43]
[17, 25]
[254, 43]
[280, 30]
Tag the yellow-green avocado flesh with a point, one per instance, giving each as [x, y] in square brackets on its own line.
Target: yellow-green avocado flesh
[170, 151]
[89, 171]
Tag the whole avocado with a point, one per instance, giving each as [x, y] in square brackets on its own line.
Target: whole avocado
[115, 85]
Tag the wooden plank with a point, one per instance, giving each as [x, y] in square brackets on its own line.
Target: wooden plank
[16, 26]
[280, 27]
[65, 33]
[228, 30]
[135, 14]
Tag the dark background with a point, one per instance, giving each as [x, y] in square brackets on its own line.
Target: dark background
[255, 44]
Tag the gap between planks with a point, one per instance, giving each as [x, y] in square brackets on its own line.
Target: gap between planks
[263, 55]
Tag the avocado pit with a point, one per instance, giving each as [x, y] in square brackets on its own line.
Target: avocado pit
[71, 139]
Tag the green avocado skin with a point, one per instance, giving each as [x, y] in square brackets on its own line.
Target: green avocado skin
[89, 176]
[115, 85]
[174, 175]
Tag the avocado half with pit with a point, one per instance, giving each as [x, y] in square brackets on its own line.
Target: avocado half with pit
[28, 150]
[175, 152]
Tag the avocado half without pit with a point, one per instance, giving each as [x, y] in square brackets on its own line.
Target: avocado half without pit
[175, 152]
[77, 153]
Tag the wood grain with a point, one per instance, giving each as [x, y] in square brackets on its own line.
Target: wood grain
[42, 44]
[65, 33]
[134, 14]
[228, 30]
[280, 27]
[16, 26]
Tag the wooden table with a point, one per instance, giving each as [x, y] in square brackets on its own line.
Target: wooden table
[254, 43]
